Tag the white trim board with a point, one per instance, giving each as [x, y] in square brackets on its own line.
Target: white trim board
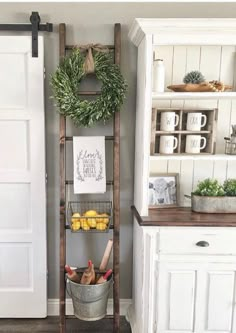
[53, 306]
[184, 31]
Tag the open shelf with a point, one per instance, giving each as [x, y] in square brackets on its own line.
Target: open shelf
[185, 156]
[193, 95]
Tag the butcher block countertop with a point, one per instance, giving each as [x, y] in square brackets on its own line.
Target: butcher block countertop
[182, 216]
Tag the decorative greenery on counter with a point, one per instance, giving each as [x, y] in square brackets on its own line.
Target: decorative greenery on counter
[209, 187]
[68, 76]
[230, 187]
[212, 188]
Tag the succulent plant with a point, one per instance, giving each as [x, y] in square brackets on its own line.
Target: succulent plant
[209, 187]
[230, 187]
[194, 77]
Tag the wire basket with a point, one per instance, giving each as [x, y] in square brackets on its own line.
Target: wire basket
[89, 216]
[230, 148]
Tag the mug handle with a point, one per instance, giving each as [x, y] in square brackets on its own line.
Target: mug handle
[204, 117]
[177, 119]
[176, 143]
[204, 142]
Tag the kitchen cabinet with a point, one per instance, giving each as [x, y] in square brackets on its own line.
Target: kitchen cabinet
[184, 287]
[178, 285]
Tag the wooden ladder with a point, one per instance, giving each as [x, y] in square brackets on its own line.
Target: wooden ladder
[116, 48]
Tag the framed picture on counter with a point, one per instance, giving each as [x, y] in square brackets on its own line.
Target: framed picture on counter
[163, 190]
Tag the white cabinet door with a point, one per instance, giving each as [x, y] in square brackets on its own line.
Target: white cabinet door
[215, 310]
[176, 297]
[22, 180]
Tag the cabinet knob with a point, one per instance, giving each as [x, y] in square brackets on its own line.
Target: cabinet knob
[202, 244]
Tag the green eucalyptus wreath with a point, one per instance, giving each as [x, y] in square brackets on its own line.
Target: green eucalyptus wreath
[65, 83]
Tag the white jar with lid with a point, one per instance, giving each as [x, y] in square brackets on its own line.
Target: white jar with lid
[158, 76]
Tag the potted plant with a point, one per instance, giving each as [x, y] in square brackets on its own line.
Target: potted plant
[212, 197]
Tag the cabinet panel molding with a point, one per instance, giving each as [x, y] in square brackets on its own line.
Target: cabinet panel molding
[177, 296]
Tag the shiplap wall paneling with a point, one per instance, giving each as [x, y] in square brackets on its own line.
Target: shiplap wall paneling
[202, 170]
[193, 58]
[178, 68]
[160, 166]
[220, 170]
[227, 70]
[186, 181]
[210, 62]
[173, 166]
[231, 169]
[223, 124]
[233, 115]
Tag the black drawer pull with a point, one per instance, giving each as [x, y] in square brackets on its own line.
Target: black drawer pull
[202, 244]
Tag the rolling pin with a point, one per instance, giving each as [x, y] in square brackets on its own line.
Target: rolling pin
[106, 255]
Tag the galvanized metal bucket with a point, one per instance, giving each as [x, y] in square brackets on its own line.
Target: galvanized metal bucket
[89, 301]
[204, 204]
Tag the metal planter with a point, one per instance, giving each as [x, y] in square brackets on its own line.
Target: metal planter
[204, 204]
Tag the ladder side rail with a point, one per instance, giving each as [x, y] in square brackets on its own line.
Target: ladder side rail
[116, 195]
[62, 43]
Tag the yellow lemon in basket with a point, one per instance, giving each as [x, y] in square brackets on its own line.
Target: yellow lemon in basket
[90, 213]
[75, 226]
[99, 219]
[105, 218]
[92, 223]
[75, 217]
[101, 226]
[84, 224]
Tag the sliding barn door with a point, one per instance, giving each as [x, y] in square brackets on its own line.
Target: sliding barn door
[22, 180]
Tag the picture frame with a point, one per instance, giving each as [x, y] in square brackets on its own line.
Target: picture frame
[163, 190]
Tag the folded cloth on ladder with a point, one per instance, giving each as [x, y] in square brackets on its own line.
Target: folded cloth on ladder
[89, 164]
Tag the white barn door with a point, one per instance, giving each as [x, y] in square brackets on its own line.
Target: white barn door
[23, 278]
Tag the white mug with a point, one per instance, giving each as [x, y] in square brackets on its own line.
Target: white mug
[169, 120]
[195, 121]
[193, 144]
[168, 143]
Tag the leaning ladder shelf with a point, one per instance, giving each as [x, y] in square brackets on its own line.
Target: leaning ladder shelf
[116, 48]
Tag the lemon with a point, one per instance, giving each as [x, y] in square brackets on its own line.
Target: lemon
[90, 213]
[99, 219]
[101, 226]
[84, 224]
[75, 226]
[75, 217]
[92, 223]
[105, 218]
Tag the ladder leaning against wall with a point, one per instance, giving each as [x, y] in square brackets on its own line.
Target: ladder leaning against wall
[116, 48]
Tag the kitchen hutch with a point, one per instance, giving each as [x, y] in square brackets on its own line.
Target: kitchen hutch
[184, 271]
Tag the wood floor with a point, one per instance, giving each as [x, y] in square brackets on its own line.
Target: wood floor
[51, 324]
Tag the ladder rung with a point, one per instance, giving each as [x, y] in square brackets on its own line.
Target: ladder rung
[74, 317]
[70, 47]
[107, 138]
[89, 93]
[71, 182]
[67, 227]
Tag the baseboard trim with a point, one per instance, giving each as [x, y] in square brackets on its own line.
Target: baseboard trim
[53, 306]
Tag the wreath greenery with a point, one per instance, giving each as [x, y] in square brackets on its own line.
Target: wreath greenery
[65, 83]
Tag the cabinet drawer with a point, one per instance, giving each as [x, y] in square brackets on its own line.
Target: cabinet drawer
[196, 241]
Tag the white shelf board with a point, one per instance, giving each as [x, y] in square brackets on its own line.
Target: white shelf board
[193, 95]
[193, 157]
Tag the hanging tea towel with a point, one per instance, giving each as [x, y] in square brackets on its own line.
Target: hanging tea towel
[89, 164]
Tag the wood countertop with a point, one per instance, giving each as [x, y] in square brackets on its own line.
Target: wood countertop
[182, 216]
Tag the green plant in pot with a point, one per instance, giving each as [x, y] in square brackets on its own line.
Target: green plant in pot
[212, 197]
[209, 187]
[230, 187]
